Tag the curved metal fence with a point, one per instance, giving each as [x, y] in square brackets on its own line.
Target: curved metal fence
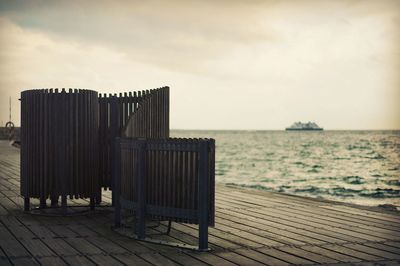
[59, 144]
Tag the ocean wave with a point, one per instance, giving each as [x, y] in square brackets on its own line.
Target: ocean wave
[267, 180]
[358, 147]
[393, 182]
[250, 186]
[376, 157]
[381, 193]
[341, 158]
[354, 180]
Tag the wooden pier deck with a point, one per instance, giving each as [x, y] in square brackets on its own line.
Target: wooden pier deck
[252, 228]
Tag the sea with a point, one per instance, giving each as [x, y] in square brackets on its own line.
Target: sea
[360, 167]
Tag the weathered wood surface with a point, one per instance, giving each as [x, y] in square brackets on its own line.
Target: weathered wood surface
[252, 228]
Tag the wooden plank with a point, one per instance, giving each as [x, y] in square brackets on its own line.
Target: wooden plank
[62, 231]
[50, 261]
[345, 219]
[290, 201]
[20, 232]
[83, 246]
[246, 237]
[340, 233]
[37, 248]
[284, 228]
[132, 246]
[131, 259]
[290, 258]
[375, 215]
[78, 260]
[209, 258]
[183, 259]
[331, 254]
[107, 246]
[11, 246]
[260, 257]
[3, 258]
[308, 255]
[238, 259]
[393, 247]
[374, 251]
[367, 233]
[215, 240]
[275, 237]
[61, 247]
[354, 253]
[4, 261]
[82, 230]
[105, 260]
[157, 259]
[24, 261]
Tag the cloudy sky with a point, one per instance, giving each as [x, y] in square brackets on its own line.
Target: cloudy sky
[230, 64]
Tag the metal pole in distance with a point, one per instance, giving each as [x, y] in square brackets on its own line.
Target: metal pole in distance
[117, 181]
[203, 202]
[141, 211]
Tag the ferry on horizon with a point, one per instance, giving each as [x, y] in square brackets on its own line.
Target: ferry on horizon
[304, 126]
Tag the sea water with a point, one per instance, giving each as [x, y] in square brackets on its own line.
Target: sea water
[361, 167]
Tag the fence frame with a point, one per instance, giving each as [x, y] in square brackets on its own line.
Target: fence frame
[51, 119]
[141, 209]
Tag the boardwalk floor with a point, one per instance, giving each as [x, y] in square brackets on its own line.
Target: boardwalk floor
[252, 228]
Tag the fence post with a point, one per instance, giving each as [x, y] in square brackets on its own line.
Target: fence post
[203, 202]
[117, 181]
[141, 211]
[114, 133]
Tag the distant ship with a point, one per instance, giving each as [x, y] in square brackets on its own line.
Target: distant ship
[304, 126]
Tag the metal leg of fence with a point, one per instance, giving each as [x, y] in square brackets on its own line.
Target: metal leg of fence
[42, 202]
[98, 197]
[27, 204]
[64, 204]
[141, 212]
[92, 202]
[117, 180]
[54, 201]
[203, 208]
[169, 226]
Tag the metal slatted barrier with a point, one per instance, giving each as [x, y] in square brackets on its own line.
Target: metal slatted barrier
[167, 179]
[125, 114]
[59, 145]
[151, 119]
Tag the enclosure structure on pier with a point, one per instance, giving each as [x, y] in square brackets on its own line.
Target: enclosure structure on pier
[59, 145]
[166, 179]
[75, 143]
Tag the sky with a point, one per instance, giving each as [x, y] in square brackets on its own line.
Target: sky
[230, 64]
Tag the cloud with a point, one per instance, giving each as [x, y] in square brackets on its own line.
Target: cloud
[175, 35]
[255, 65]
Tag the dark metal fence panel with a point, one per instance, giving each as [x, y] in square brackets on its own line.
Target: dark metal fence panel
[178, 178]
[127, 114]
[59, 143]
[151, 118]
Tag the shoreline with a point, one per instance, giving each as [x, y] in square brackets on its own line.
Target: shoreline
[378, 208]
